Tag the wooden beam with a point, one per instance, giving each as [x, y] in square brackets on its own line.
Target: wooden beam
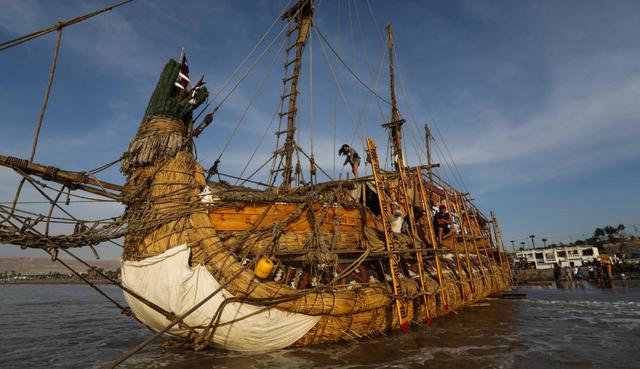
[71, 179]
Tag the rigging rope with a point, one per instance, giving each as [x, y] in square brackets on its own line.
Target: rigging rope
[273, 173]
[271, 184]
[375, 22]
[264, 134]
[374, 77]
[244, 60]
[298, 148]
[251, 100]
[47, 202]
[58, 26]
[347, 66]
[46, 95]
[58, 220]
[178, 319]
[36, 135]
[365, 107]
[455, 167]
[344, 100]
[311, 93]
[335, 95]
[125, 310]
[205, 123]
[353, 40]
[456, 175]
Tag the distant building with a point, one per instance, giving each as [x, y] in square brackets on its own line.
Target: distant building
[563, 255]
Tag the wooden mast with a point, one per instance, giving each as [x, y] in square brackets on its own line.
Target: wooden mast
[427, 138]
[395, 124]
[300, 15]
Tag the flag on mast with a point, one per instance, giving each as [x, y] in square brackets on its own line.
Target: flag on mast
[183, 80]
[195, 88]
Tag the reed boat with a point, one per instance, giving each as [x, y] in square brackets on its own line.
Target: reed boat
[292, 262]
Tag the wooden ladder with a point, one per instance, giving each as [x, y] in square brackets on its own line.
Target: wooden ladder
[390, 240]
[300, 21]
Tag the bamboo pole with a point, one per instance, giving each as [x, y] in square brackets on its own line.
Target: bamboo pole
[456, 253]
[506, 254]
[412, 229]
[493, 264]
[390, 241]
[498, 235]
[432, 236]
[497, 246]
[414, 239]
[470, 271]
[479, 233]
[475, 245]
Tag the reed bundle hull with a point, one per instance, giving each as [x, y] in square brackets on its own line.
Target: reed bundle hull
[330, 282]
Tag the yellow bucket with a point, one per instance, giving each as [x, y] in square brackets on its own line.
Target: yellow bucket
[263, 267]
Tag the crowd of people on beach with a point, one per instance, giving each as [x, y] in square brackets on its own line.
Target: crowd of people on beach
[600, 273]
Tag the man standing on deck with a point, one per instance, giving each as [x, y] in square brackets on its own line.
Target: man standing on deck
[352, 158]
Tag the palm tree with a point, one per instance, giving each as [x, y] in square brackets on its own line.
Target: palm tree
[544, 240]
[533, 244]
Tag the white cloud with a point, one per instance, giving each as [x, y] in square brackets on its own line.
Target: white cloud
[589, 118]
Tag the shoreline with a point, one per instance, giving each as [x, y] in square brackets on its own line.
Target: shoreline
[54, 281]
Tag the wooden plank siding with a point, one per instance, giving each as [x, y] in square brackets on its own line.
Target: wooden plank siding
[233, 219]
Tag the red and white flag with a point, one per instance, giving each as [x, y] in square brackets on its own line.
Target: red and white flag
[195, 89]
[183, 76]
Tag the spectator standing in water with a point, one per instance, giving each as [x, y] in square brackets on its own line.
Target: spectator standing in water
[557, 275]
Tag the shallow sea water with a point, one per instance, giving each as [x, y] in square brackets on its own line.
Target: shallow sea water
[71, 326]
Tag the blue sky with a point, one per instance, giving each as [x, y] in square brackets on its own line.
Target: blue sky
[538, 102]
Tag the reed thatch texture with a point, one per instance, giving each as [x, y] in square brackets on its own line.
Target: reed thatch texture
[170, 192]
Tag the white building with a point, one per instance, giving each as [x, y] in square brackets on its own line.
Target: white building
[563, 255]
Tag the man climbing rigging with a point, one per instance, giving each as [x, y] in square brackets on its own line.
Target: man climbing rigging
[352, 158]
